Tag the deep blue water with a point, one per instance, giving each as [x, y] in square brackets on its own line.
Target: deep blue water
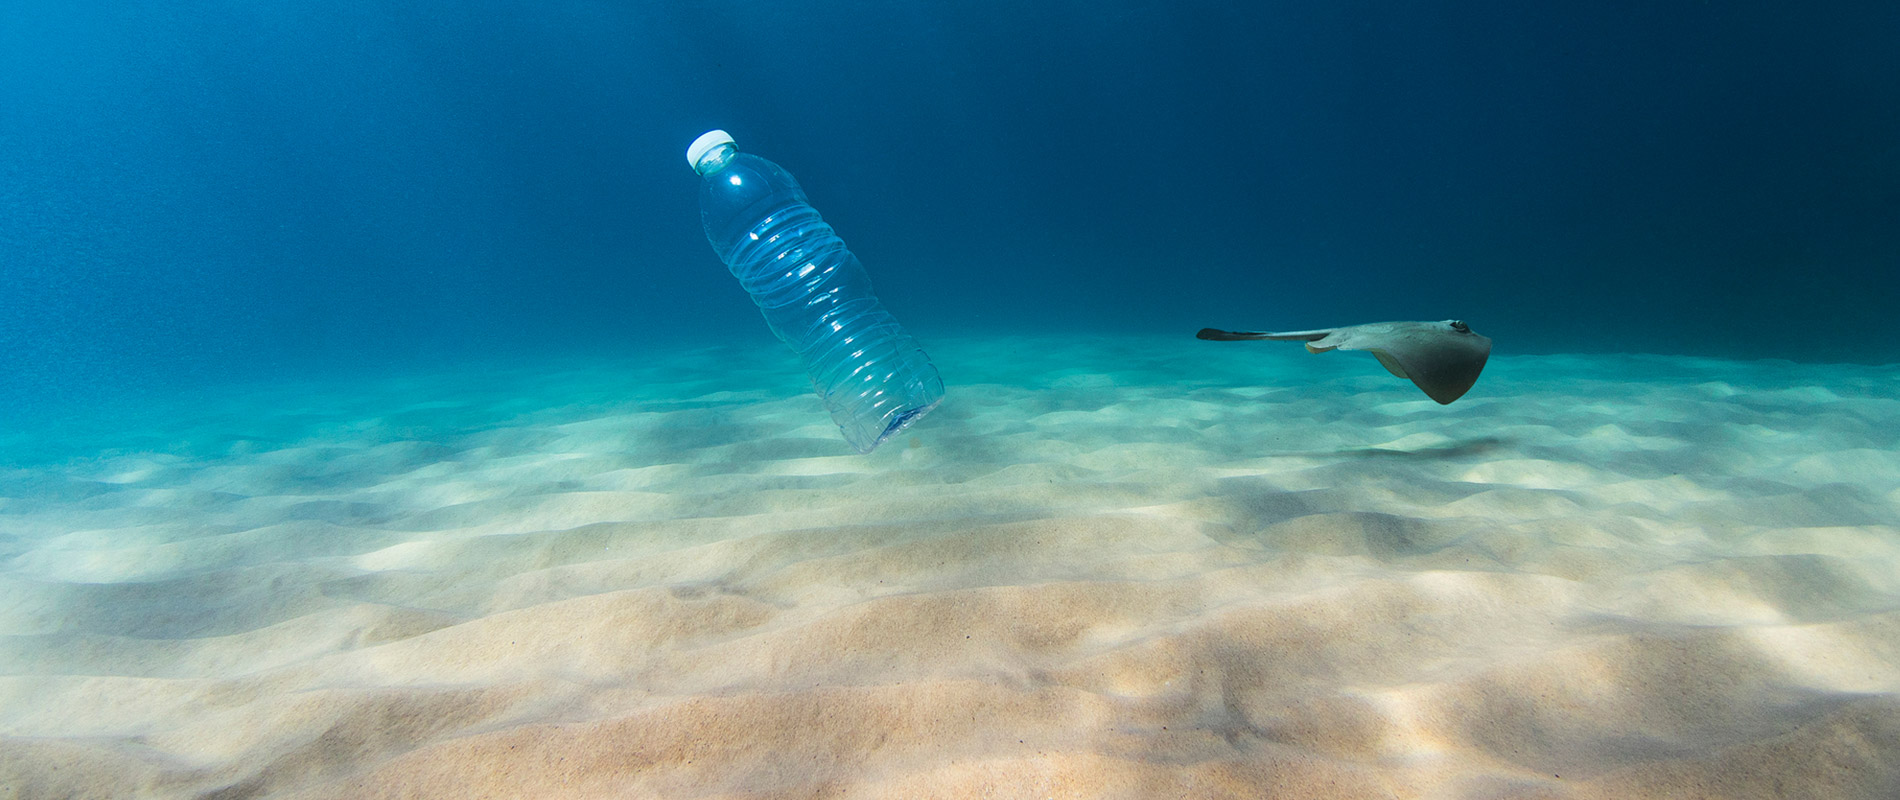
[222, 190]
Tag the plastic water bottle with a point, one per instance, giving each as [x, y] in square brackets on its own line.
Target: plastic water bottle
[814, 293]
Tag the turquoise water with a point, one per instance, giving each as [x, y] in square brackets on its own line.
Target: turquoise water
[227, 191]
[375, 420]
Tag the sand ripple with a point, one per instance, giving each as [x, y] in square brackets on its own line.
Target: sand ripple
[1104, 568]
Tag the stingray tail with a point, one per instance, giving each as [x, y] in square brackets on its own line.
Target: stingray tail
[1218, 335]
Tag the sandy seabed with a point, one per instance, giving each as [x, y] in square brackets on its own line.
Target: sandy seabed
[1104, 568]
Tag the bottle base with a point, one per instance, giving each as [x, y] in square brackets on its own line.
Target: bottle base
[902, 420]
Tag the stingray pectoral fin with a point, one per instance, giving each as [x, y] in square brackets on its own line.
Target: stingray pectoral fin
[1391, 364]
[1441, 358]
[1443, 366]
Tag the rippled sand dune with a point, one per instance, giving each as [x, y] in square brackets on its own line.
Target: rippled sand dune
[1104, 568]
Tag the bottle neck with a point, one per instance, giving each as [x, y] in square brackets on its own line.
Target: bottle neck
[716, 159]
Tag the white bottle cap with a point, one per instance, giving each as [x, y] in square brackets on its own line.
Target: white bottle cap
[706, 143]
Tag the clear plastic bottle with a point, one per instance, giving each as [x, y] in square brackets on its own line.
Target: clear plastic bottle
[813, 292]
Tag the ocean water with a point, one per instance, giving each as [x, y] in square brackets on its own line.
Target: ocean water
[375, 420]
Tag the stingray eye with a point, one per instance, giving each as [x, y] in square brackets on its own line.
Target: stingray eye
[1460, 326]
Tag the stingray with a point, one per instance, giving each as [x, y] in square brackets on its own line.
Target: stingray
[1442, 358]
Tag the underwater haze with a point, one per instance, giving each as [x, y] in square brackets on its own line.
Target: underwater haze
[376, 421]
[216, 191]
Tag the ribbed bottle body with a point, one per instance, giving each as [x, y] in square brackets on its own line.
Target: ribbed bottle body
[817, 298]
